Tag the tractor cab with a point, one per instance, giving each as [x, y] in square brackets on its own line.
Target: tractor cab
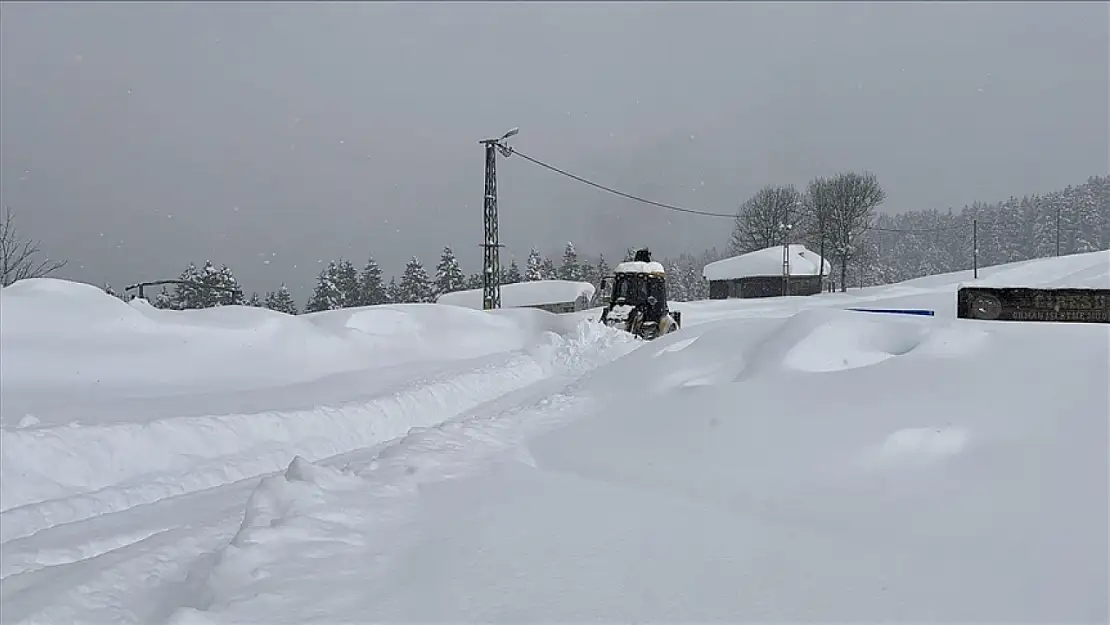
[636, 298]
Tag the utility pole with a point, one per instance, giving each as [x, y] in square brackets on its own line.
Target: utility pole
[491, 258]
[1058, 204]
[975, 246]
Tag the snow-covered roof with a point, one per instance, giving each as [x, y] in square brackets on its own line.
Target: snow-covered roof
[767, 262]
[639, 267]
[522, 294]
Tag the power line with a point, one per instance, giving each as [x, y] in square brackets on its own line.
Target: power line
[692, 211]
[620, 193]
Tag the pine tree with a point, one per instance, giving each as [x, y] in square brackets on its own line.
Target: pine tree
[282, 301]
[534, 269]
[449, 276]
[371, 290]
[163, 300]
[570, 269]
[346, 280]
[547, 270]
[676, 287]
[326, 295]
[393, 292]
[602, 268]
[187, 296]
[254, 300]
[415, 287]
[199, 293]
[512, 274]
[474, 281]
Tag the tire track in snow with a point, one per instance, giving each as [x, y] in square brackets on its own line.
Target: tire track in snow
[56, 573]
[316, 434]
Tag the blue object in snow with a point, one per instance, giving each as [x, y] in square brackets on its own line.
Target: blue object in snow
[920, 312]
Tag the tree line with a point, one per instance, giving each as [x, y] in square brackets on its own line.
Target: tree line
[341, 284]
[835, 216]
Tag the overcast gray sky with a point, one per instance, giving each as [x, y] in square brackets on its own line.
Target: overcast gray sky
[135, 137]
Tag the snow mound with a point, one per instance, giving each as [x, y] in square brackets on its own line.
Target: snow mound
[107, 405]
[767, 262]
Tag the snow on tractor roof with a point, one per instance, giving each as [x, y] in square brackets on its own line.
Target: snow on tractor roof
[766, 262]
[522, 294]
[639, 267]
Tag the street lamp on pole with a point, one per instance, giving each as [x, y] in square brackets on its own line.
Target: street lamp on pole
[785, 229]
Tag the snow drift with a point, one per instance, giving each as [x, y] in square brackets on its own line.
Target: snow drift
[108, 404]
[827, 466]
[781, 459]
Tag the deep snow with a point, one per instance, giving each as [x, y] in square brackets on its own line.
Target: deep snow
[781, 459]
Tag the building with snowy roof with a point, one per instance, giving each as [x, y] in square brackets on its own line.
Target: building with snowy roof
[557, 296]
[760, 273]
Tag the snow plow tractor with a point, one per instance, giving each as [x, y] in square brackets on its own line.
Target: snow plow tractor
[637, 299]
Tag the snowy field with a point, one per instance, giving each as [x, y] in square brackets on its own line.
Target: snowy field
[776, 460]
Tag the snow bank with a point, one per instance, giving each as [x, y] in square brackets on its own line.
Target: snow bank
[523, 294]
[71, 336]
[767, 262]
[106, 405]
[829, 466]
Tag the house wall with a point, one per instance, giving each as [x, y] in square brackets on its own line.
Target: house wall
[763, 286]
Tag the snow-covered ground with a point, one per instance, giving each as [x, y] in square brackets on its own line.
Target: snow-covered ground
[780, 459]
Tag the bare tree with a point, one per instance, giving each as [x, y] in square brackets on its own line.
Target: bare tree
[763, 220]
[850, 199]
[816, 218]
[18, 255]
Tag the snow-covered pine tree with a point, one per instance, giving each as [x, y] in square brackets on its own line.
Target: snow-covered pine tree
[588, 272]
[226, 291]
[282, 301]
[393, 292]
[187, 296]
[534, 269]
[346, 280]
[226, 279]
[512, 274]
[1090, 220]
[676, 286]
[254, 300]
[326, 295]
[602, 268]
[371, 290]
[547, 270]
[415, 287]
[163, 300]
[474, 281]
[449, 276]
[570, 269]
